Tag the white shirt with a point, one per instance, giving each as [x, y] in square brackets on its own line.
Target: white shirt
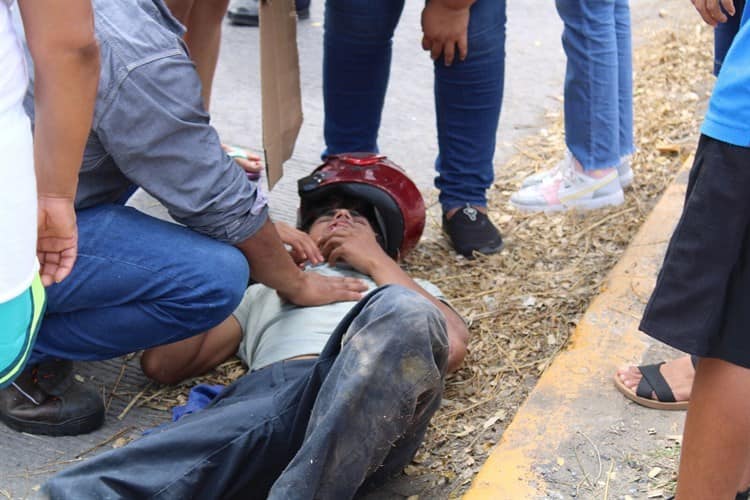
[17, 181]
[274, 330]
[13, 76]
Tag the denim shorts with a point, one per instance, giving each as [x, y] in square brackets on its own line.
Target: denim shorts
[700, 303]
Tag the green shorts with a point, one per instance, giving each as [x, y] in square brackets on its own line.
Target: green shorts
[20, 318]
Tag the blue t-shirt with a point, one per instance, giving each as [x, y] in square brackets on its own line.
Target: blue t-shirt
[728, 117]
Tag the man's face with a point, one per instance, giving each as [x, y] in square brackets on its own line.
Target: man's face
[334, 219]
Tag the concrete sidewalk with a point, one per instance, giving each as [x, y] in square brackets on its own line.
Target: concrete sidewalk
[576, 435]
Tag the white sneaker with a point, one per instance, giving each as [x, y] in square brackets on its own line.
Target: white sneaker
[564, 188]
[624, 172]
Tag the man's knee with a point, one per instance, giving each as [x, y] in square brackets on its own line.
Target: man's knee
[416, 321]
[155, 367]
[224, 281]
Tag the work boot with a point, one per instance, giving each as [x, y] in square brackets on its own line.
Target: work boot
[46, 399]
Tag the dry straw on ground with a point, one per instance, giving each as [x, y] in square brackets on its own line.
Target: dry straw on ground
[523, 303]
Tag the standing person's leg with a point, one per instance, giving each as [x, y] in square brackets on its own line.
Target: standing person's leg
[587, 178]
[716, 446]
[591, 82]
[138, 282]
[203, 19]
[373, 406]
[356, 67]
[468, 98]
[180, 9]
[724, 34]
[624, 90]
[203, 39]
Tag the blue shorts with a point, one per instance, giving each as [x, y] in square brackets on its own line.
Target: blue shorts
[20, 318]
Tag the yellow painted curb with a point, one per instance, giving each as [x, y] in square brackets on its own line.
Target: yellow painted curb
[605, 338]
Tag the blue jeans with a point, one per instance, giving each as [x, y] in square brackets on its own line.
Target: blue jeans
[468, 94]
[302, 429]
[138, 282]
[724, 34]
[598, 81]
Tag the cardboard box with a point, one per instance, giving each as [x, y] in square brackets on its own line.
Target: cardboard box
[280, 84]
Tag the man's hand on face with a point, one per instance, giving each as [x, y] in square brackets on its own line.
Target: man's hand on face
[57, 238]
[354, 243]
[303, 248]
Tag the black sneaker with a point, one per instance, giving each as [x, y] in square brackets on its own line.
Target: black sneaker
[472, 231]
[46, 399]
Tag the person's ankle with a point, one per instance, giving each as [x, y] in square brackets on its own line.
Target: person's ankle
[596, 173]
[450, 213]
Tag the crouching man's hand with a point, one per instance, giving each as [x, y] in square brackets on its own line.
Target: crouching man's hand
[302, 248]
[271, 265]
[57, 238]
[314, 289]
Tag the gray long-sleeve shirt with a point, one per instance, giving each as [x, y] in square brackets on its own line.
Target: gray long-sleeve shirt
[150, 128]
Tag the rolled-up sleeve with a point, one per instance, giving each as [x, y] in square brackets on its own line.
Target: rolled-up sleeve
[158, 133]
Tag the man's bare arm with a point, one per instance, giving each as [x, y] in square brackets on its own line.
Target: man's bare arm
[60, 36]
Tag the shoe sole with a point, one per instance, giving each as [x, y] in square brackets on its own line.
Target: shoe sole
[626, 179]
[611, 200]
[483, 250]
[73, 427]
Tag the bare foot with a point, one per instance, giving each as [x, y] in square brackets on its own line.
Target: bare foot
[678, 373]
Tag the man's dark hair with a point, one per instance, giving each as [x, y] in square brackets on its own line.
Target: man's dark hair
[334, 202]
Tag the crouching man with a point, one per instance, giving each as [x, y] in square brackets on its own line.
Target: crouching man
[337, 396]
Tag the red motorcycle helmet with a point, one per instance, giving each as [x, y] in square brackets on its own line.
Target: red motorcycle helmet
[398, 206]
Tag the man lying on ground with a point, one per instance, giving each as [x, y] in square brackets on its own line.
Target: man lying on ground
[140, 282]
[337, 396]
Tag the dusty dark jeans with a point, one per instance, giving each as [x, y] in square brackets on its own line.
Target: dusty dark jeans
[301, 429]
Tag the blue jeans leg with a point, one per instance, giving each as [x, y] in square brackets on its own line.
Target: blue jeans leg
[468, 98]
[138, 282]
[356, 67]
[598, 91]
[332, 410]
[235, 448]
[625, 76]
[724, 34]
[373, 407]
[468, 95]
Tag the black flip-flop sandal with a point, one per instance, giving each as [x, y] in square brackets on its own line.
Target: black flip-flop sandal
[652, 382]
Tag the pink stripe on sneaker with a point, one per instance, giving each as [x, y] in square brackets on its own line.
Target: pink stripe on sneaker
[551, 192]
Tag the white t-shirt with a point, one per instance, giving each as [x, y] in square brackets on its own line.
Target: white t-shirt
[17, 181]
[274, 330]
[13, 77]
